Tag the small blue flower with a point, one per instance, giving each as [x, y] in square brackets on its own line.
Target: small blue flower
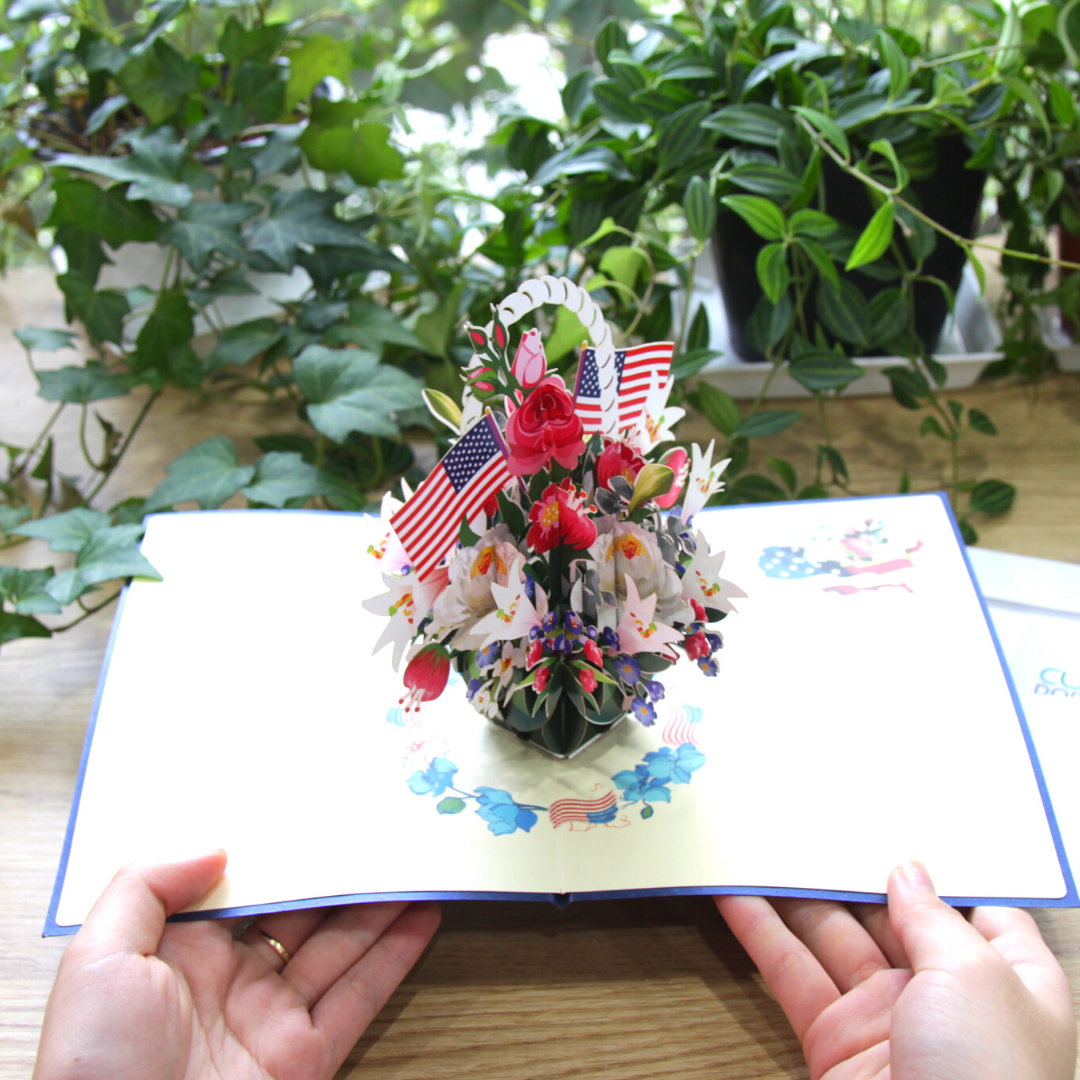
[534, 633]
[573, 623]
[591, 632]
[487, 656]
[609, 638]
[715, 642]
[639, 785]
[707, 665]
[674, 766]
[435, 779]
[560, 644]
[627, 669]
[503, 815]
[643, 711]
[474, 685]
[551, 622]
[530, 587]
[655, 689]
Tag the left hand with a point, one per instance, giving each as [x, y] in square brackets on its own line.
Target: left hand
[141, 1000]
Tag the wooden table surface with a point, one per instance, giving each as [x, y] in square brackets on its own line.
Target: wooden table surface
[512, 991]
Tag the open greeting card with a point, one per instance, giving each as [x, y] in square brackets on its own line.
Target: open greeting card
[861, 715]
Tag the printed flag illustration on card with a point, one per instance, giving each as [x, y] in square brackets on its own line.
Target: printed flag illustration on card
[551, 559]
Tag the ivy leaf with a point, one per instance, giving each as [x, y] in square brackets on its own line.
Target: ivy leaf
[171, 324]
[109, 554]
[153, 167]
[875, 238]
[68, 531]
[81, 385]
[205, 227]
[700, 209]
[824, 370]
[100, 311]
[107, 212]
[208, 474]
[300, 217]
[285, 478]
[25, 590]
[242, 343]
[10, 516]
[85, 255]
[158, 80]
[261, 88]
[349, 390]
[769, 422]
[45, 339]
[762, 215]
[260, 43]
[13, 627]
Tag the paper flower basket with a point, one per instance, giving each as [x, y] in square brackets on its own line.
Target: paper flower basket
[551, 556]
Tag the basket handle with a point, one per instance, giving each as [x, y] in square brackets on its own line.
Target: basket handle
[561, 291]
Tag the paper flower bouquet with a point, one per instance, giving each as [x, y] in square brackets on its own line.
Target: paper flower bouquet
[551, 556]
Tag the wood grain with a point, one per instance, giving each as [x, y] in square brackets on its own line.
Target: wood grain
[630, 990]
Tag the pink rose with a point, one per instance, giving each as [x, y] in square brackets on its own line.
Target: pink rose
[542, 427]
[618, 459]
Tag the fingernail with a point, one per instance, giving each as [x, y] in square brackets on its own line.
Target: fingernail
[916, 876]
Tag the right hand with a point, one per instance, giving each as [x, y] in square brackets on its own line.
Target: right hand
[914, 991]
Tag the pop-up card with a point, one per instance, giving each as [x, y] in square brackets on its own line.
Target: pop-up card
[532, 677]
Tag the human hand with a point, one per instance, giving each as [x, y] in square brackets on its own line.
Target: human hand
[136, 999]
[914, 991]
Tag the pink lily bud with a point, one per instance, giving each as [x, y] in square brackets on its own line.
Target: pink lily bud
[530, 363]
[678, 461]
[426, 675]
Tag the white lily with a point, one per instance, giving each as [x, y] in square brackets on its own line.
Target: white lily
[704, 480]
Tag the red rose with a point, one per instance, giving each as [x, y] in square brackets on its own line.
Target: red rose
[541, 679]
[559, 518]
[543, 427]
[593, 653]
[533, 654]
[587, 679]
[697, 646]
[618, 459]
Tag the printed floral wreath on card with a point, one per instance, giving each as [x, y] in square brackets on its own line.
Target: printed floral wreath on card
[551, 556]
[430, 771]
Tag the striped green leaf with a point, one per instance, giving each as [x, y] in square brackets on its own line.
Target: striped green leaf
[826, 126]
[762, 215]
[765, 179]
[756, 124]
[875, 238]
[700, 209]
[824, 370]
[772, 271]
[680, 135]
[845, 313]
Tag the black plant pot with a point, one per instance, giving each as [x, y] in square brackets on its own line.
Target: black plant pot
[952, 197]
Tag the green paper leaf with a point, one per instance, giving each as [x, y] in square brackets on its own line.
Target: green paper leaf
[875, 239]
[209, 474]
[653, 480]
[68, 531]
[349, 390]
[81, 385]
[769, 422]
[207, 227]
[450, 805]
[762, 215]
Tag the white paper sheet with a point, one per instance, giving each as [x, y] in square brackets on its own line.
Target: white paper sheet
[860, 717]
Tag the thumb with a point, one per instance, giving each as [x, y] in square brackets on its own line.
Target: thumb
[933, 934]
[130, 914]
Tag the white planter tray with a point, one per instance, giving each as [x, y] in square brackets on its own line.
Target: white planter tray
[969, 341]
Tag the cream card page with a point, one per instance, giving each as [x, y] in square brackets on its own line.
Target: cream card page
[1035, 607]
[861, 716]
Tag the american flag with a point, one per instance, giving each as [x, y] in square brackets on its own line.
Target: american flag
[474, 468]
[593, 811]
[682, 727]
[639, 369]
